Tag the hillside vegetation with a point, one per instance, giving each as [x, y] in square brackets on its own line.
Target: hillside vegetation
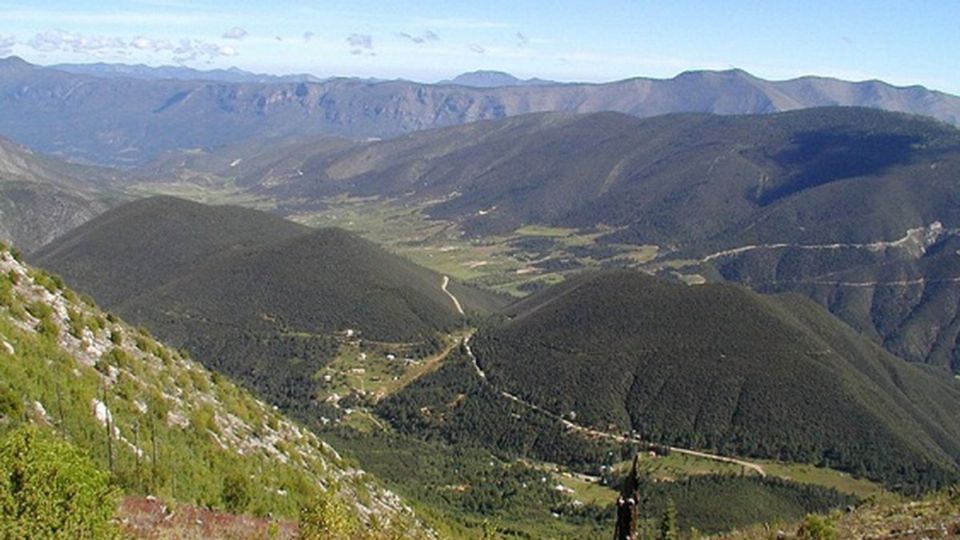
[456, 407]
[934, 516]
[154, 421]
[718, 367]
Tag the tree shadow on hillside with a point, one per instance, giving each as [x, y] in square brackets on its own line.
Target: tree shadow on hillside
[816, 158]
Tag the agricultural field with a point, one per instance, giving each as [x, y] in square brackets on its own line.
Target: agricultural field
[529, 258]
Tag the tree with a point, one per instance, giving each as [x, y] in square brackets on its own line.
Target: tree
[49, 489]
[668, 524]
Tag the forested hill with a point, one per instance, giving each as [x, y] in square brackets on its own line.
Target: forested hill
[249, 294]
[718, 367]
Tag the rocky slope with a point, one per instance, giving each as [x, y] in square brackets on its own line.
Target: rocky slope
[162, 423]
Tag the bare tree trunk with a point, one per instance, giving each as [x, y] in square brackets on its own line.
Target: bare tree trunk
[627, 505]
[108, 421]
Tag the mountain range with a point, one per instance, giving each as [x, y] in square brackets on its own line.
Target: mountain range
[854, 207]
[126, 121]
[494, 79]
[151, 73]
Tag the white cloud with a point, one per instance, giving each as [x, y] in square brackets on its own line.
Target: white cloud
[185, 50]
[61, 40]
[6, 45]
[189, 50]
[307, 36]
[421, 38]
[235, 33]
[477, 48]
[361, 44]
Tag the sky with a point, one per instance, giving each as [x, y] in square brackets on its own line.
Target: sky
[900, 42]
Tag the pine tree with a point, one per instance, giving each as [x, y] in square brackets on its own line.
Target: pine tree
[668, 524]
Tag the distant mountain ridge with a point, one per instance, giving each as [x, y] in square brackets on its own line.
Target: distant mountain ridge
[142, 71]
[43, 197]
[494, 79]
[125, 121]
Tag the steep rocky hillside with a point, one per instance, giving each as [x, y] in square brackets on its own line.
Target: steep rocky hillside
[159, 422]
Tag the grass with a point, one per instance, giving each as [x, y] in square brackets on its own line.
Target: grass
[500, 262]
[202, 194]
[675, 466]
[587, 491]
[935, 516]
[841, 481]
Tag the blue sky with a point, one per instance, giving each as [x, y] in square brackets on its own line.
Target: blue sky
[904, 43]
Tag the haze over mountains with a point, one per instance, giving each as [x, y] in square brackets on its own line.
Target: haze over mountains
[141, 71]
[125, 121]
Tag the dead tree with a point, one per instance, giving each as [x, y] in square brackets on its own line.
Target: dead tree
[628, 506]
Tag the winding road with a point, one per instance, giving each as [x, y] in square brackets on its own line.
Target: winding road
[456, 302]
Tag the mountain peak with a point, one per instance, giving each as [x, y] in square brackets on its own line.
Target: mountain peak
[486, 79]
[14, 63]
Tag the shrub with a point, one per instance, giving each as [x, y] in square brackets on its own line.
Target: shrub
[49, 282]
[49, 489]
[6, 292]
[145, 344]
[47, 328]
[326, 518]
[40, 310]
[236, 492]
[116, 337]
[76, 322]
[11, 406]
[816, 527]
